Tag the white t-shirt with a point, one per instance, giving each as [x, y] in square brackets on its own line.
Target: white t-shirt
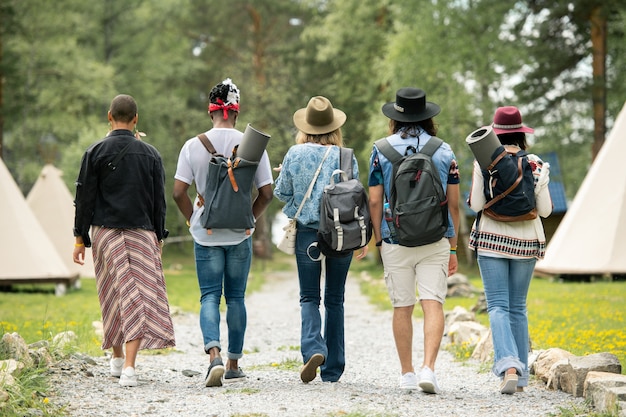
[193, 164]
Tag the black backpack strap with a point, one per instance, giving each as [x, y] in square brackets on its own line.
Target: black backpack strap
[431, 146]
[345, 160]
[389, 151]
[112, 165]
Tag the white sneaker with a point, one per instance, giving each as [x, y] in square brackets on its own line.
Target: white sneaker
[129, 377]
[116, 366]
[428, 381]
[408, 381]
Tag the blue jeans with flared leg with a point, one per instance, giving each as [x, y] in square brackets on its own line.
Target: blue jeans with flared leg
[331, 343]
[224, 267]
[506, 283]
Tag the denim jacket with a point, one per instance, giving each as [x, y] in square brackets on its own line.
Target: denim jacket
[298, 169]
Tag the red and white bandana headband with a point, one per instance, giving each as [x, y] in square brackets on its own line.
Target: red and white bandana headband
[220, 105]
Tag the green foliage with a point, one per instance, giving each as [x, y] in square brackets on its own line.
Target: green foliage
[461, 351]
[470, 57]
[29, 395]
[582, 318]
[586, 409]
[37, 314]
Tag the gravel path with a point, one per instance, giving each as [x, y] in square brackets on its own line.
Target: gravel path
[369, 386]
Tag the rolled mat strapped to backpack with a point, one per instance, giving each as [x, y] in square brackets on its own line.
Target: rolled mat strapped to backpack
[508, 178]
[227, 196]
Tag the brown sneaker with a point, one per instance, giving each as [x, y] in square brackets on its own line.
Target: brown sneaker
[309, 370]
[509, 384]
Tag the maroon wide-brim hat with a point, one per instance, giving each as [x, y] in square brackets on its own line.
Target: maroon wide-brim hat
[509, 120]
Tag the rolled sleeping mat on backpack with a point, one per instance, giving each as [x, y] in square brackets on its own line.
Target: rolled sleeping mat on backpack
[252, 144]
[483, 142]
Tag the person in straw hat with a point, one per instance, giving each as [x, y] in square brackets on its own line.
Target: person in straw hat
[426, 267]
[507, 253]
[318, 141]
[223, 258]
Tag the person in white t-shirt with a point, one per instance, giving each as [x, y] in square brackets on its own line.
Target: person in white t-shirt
[223, 257]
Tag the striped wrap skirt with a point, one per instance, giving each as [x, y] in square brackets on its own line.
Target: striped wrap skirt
[131, 288]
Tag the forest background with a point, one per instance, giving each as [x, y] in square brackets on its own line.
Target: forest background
[562, 63]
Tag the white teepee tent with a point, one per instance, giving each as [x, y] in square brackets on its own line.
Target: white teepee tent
[53, 205]
[26, 252]
[591, 238]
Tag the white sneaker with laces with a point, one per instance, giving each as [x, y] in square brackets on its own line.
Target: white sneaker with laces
[408, 381]
[129, 377]
[428, 381]
[116, 366]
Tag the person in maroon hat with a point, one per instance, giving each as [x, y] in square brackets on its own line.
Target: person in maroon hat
[507, 252]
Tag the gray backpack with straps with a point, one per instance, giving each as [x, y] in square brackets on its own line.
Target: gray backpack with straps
[227, 197]
[418, 202]
[345, 223]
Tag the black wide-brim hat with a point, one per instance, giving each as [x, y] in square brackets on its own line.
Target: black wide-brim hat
[410, 106]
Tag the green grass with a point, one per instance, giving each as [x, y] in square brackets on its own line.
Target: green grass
[29, 393]
[582, 318]
[586, 409]
[37, 314]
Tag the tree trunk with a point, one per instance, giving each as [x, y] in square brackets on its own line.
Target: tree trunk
[598, 93]
[1, 98]
[261, 242]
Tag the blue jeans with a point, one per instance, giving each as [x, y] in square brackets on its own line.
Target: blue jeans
[224, 267]
[331, 344]
[506, 283]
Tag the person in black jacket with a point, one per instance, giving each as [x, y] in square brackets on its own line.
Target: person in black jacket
[120, 213]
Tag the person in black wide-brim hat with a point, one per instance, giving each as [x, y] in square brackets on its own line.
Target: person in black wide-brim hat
[424, 267]
[410, 106]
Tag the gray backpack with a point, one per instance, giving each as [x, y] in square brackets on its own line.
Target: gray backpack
[344, 212]
[418, 202]
[227, 196]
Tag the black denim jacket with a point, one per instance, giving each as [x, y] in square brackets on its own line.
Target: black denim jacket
[130, 197]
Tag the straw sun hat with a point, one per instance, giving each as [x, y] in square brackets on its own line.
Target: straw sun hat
[318, 117]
